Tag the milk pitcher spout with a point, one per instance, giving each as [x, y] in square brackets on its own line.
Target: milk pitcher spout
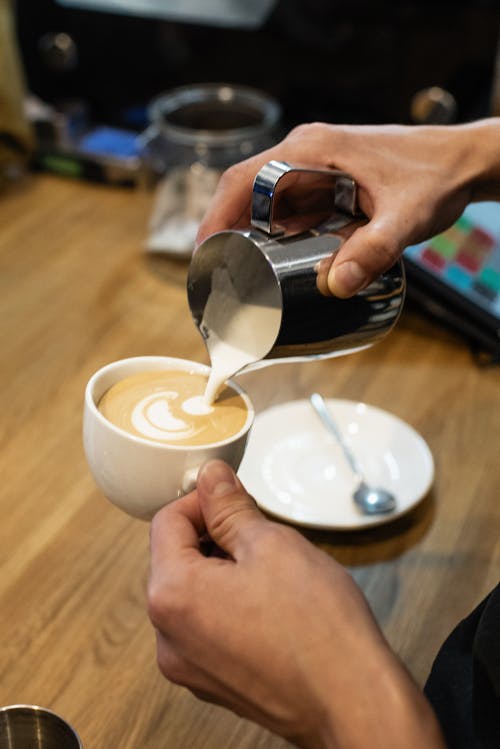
[255, 290]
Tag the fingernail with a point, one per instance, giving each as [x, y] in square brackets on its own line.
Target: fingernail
[217, 479]
[323, 265]
[346, 279]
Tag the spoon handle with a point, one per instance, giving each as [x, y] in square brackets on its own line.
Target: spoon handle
[319, 405]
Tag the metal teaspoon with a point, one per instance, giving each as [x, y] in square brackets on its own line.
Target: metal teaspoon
[370, 500]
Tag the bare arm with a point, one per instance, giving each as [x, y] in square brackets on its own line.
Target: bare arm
[413, 182]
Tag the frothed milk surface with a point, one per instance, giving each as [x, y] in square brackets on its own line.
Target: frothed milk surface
[236, 334]
[169, 407]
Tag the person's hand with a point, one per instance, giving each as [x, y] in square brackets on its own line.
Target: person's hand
[413, 183]
[274, 629]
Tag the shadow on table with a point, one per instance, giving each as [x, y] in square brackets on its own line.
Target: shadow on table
[381, 543]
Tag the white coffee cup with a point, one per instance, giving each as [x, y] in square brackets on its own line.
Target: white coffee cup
[138, 475]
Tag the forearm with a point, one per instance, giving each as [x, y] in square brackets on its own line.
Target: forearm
[387, 711]
[481, 148]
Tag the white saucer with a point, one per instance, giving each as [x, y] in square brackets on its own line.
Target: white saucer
[297, 472]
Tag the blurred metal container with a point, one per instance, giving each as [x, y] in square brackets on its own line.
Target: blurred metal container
[33, 727]
[196, 132]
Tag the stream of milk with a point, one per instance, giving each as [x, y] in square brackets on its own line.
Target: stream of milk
[237, 334]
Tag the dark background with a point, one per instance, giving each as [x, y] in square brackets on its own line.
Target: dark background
[345, 61]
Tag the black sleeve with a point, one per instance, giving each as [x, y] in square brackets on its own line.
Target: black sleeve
[464, 683]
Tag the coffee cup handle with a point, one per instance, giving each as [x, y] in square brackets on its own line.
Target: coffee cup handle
[189, 479]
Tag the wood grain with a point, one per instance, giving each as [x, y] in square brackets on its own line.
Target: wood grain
[78, 291]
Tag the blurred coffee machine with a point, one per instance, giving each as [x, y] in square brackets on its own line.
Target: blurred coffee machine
[356, 61]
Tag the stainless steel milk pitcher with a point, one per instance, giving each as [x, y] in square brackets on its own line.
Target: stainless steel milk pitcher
[255, 289]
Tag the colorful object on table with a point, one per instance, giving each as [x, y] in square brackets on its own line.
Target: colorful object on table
[467, 255]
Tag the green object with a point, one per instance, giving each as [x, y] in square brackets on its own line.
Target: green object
[64, 165]
[444, 246]
[491, 277]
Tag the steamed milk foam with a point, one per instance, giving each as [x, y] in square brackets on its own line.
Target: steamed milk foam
[226, 360]
[236, 333]
[169, 407]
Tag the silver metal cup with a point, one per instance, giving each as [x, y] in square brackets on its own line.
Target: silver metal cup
[270, 269]
[33, 727]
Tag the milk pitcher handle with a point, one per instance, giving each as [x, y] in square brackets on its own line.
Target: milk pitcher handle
[266, 185]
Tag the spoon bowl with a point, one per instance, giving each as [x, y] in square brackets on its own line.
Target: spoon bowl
[369, 500]
[374, 500]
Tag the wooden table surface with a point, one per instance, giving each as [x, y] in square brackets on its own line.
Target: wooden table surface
[78, 291]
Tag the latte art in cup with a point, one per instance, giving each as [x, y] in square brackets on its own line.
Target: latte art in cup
[169, 407]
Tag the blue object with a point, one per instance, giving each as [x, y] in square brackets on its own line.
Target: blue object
[458, 277]
[109, 141]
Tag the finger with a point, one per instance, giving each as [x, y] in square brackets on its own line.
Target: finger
[322, 271]
[231, 203]
[204, 686]
[230, 513]
[176, 530]
[174, 666]
[370, 251]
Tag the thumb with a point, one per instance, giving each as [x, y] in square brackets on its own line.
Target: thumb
[370, 251]
[231, 515]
